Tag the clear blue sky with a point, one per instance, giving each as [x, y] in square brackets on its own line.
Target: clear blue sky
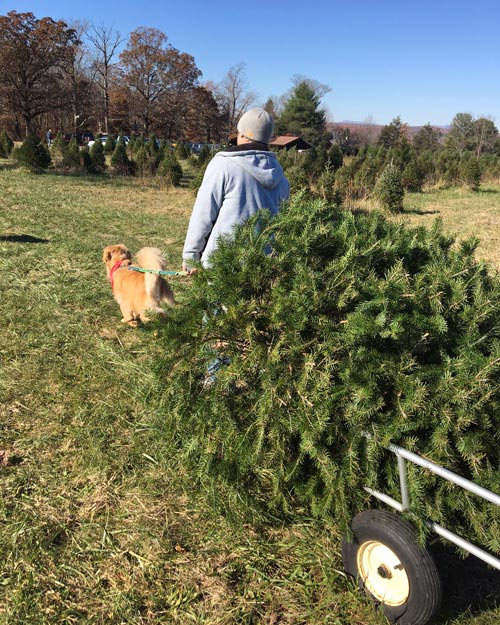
[422, 60]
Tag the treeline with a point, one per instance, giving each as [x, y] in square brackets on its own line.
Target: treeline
[72, 79]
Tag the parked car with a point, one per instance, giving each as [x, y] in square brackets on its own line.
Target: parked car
[85, 137]
[195, 147]
[102, 139]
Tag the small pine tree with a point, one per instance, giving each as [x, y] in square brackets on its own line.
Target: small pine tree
[199, 172]
[426, 164]
[145, 163]
[412, 178]
[297, 179]
[152, 145]
[204, 156]
[6, 145]
[344, 182]
[58, 150]
[98, 157]
[312, 161]
[71, 159]
[287, 158]
[86, 162]
[335, 157]
[389, 189]
[120, 160]
[448, 166]
[327, 190]
[380, 158]
[163, 144]
[170, 169]
[131, 144]
[136, 146]
[181, 151]
[110, 145]
[470, 173]
[365, 178]
[162, 147]
[32, 154]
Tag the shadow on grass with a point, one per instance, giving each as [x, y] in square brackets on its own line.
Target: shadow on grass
[416, 211]
[488, 191]
[22, 238]
[7, 166]
[468, 585]
[406, 211]
[186, 181]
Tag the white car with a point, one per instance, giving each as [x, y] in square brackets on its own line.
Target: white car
[102, 139]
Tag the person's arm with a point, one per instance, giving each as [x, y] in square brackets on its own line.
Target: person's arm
[205, 212]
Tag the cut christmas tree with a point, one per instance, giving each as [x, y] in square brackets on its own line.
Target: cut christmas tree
[352, 325]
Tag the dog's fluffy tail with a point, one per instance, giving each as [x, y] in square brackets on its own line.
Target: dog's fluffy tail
[151, 258]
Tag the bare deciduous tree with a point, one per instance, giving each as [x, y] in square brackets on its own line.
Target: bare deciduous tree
[234, 96]
[78, 81]
[486, 133]
[368, 131]
[106, 42]
[320, 89]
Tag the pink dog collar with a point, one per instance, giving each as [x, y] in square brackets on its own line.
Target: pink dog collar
[116, 266]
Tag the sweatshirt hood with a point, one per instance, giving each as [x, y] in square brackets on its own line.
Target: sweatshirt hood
[263, 166]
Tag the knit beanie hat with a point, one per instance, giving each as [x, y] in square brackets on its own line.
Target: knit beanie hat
[256, 125]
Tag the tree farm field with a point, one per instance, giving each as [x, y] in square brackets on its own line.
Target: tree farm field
[96, 527]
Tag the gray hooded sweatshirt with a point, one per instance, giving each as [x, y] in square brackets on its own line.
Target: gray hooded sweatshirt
[235, 186]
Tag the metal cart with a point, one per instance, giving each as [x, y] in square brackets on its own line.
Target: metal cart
[386, 559]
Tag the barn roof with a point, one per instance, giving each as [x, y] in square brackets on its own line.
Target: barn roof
[283, 139]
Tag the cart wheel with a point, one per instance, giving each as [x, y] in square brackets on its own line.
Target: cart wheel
[389, 564]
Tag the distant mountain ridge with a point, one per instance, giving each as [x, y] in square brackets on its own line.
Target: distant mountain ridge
[353, 125]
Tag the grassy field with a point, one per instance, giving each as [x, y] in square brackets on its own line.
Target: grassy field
[95, 526]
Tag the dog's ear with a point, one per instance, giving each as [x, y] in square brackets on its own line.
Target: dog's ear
[107, 255]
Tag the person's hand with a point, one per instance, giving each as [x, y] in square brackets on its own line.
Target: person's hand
[189, 270]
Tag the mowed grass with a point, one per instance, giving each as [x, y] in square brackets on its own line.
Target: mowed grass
[96, 525]
[465, 214]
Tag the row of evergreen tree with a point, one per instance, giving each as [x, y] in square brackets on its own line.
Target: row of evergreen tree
[141, 157]
[376, 171]
[337, 178]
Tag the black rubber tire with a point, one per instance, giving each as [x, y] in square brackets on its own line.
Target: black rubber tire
[372, 527]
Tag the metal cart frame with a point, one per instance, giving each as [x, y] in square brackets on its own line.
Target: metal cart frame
[404, 456]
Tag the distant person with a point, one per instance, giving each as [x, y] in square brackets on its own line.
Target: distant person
[50, 137]
[237, 183]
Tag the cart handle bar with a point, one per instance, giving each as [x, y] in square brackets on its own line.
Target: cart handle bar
[403, 455]
[437, 469]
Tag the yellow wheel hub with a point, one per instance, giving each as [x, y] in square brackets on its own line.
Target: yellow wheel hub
[382, 573]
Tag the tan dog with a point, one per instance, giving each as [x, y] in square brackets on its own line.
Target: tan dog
[137, 292]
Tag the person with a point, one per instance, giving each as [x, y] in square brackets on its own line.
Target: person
[237, 183]
[49, 137]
